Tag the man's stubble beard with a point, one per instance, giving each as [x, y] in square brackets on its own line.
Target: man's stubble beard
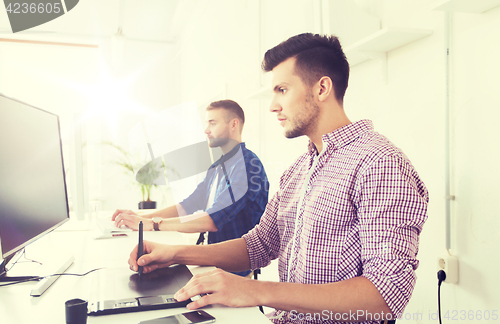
[302, 126]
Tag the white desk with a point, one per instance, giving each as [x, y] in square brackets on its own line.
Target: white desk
[17, 306]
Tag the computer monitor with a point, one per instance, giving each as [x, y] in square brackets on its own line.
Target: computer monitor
[33, 199]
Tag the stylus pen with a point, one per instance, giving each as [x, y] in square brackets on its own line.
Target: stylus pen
[140, 248]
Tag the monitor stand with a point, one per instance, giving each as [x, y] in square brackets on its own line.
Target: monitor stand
[52, 266]
[3, 270]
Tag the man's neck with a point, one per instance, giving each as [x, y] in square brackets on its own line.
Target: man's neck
[330, 120]
[226, 148]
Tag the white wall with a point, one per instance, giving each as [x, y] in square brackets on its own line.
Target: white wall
[223, 49]
[150, 75]
[475, 157]
[410, 110]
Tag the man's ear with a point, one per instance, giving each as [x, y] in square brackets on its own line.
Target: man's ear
[325, 88]
[235, 123]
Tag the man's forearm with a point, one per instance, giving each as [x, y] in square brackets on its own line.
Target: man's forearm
[230, 255]
[196, 223]
[169, 212]
[356, 298]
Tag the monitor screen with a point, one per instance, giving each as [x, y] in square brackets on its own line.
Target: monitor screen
[33, 197]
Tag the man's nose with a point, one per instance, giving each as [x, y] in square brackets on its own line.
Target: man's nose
[275, 106]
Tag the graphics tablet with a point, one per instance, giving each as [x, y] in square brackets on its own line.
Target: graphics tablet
[120, 290]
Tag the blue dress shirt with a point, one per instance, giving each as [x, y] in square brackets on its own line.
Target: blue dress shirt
[240, 198]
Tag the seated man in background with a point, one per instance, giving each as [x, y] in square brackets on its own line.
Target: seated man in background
[232, 197]
[344, 222]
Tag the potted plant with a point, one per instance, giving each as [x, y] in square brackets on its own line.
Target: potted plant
[146, 175]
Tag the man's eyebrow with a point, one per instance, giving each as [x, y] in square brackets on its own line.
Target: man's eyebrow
[278, 86]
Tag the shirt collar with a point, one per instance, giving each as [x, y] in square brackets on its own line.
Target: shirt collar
[342, 136]
[228, 155]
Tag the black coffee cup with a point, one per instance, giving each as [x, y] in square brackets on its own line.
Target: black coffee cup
[76, 311]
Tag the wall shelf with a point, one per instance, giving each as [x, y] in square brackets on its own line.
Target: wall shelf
[381, 42]
[372, 47]
[466, 6]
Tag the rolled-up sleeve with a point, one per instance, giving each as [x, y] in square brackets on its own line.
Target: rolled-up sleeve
[198, 199]
[263, 241]
[392, 210]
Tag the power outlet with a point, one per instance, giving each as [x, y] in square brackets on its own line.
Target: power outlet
[449, 264]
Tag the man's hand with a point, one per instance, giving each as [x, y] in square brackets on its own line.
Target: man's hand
[122, 211]
[222, 288]
[131, 220]
[155, 256]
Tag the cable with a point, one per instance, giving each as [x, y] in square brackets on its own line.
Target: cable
[21, 254]
[72, 274]
[21, 281]
[441, 275]
[52, 275]
[15, 262]
[29, 260]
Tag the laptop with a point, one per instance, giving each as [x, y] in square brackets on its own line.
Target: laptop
[120, 290]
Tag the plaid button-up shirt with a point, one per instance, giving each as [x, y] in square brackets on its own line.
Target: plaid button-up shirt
[362, 210]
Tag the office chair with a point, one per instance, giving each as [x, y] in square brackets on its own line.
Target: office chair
[256, 272]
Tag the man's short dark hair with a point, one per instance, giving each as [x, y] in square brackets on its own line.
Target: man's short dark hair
[231, 106]
[316, 56]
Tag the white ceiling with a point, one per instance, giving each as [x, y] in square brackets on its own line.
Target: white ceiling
[152, 20]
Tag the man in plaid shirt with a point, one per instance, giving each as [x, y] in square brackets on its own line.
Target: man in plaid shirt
[344, 223]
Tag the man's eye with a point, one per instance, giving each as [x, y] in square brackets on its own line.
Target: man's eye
[282, 90]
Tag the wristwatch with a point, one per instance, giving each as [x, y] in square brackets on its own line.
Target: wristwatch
[156, 223]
